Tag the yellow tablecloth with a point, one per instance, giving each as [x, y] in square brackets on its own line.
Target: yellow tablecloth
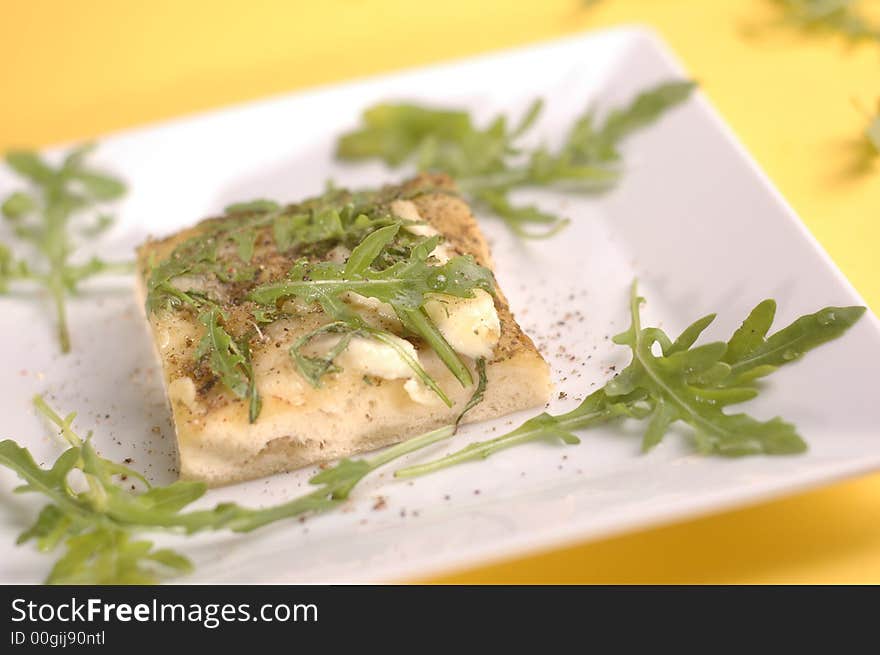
[70, 70]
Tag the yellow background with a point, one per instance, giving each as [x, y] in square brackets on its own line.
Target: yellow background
[70, 70]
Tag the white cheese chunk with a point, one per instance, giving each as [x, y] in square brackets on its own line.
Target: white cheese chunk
[470, 325]
[370, 357]
[183, 390]
[407, 210]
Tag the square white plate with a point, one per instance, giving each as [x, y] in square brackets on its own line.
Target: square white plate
[694, 219]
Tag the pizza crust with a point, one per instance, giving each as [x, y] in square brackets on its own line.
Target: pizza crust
[350, 413]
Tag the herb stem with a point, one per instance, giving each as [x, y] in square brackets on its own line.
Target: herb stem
[543, 425]
[56, 290]
[419, 321]
[64, 424]
[410, 445]
[43, 217]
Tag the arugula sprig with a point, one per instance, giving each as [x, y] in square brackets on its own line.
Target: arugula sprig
[404, 285]
[829, 16]
[686, 383]
[42, 215]
[97, 515]
[230, 359]
[488, 164]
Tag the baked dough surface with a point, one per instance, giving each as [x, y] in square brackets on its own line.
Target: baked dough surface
[301, 425]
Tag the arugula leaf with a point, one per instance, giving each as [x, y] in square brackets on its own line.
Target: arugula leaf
[42, 215]
[750, 353]
[479, 393]
[368, 250]
[694, 385]
[687, 383]
[255, 401]
[224, 355]
[316, 221]
[11, 268]
[488, 164]
[109, 556]
[18, 205]
[229, 359]
[647, 107]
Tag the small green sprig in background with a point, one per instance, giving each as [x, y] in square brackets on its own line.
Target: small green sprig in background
[829, 16]
[488, 164]
[41, 215]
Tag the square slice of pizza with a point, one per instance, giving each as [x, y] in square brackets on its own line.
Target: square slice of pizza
[294, 335]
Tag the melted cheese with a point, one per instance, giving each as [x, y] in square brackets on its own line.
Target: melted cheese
[470, 325]
[370, 357]
[407, 210]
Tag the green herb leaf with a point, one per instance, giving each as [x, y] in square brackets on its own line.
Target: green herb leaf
[31, 166]
[488, 164]
[284, 231]
[749, 350]
[51, 526]
[676, 383]
[403, 285]
[109, 556]
[18, 205]
[620, 123]
[43, 215]
[687, 383]
[245, 242]
[98, 526]
[10, 268]
[255, 401]
[368, 250]
[98, 185]
[224, 355]
[479, 393]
